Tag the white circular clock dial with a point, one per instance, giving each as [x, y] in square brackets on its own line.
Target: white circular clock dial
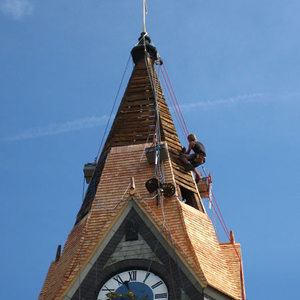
[134, 284]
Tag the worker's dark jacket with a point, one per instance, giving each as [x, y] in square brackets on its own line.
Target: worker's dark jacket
[199, 149]
[193, 160]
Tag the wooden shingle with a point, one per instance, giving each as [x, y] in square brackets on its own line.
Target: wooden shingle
[188, 230]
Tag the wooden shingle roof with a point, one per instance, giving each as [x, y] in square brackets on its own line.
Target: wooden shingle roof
[135, 124]
[187, 229]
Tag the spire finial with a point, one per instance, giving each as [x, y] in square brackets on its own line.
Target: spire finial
[144, 16]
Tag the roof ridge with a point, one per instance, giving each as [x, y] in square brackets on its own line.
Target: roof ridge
[222, 257]
[180, 206]
[92, 249]
[174, 244]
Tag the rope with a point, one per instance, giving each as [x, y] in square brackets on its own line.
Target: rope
[215, 225]
[174, 108]
[178, 106]
[156, 88]
[218, 213]
[158, 164]
[222, 222]
[157, 128]
[215, 200]
[213, 216]
[177, 114]
[139, 164]
[113, 107]
[185, 127]
[175, 256]
[165, 225]
[161, 170]
[237, 253]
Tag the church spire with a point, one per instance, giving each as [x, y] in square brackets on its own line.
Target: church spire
[144, 16]
[144, 43]
[123, 229]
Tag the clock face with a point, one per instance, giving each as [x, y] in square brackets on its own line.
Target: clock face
[134, 285]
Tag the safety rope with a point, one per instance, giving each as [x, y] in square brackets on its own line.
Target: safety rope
[112, 110]
[217, 209]
[215, 225]
[159, 170]
[165, 229]
[218, 212]
[156, 88]
[213, 215]
[176, 101]
[93, 189]
[161, 165]
[157, 140]
[174, 106]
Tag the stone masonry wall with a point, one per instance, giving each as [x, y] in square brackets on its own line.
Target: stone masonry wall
[138, 249]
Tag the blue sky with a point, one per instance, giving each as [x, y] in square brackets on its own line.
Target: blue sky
[234, 66]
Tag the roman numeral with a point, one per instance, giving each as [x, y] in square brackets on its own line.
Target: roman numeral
[132, 275]
[156, 284]
[107, 289]
[161, 296]
[119, 280]
[147, 275]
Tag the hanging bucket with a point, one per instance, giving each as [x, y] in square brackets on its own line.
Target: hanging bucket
[204, 187]
[150, 153]
[89, 170]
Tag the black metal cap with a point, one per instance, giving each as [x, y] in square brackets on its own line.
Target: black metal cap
[138, 52]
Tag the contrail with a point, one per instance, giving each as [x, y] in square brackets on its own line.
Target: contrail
[224, 101]
[90, 122]
[246, 98]
[58, 128]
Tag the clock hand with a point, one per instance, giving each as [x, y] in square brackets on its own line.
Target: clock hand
[114, 295]
[130, 294]
[127, 284]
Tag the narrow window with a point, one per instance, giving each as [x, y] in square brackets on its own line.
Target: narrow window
[131, 230]
[188, 197]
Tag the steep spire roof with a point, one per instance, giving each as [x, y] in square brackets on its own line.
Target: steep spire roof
[184, 233]
[143, 106]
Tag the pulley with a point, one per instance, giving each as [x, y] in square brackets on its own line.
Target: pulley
[168, 189]
[152, 185]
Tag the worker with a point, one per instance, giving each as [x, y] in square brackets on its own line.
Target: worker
[192, 161]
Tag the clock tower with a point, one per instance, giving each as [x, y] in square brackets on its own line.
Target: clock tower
[142, 231]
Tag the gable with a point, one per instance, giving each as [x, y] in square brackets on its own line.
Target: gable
[183, 232]
[138, 249]
[149, 252]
